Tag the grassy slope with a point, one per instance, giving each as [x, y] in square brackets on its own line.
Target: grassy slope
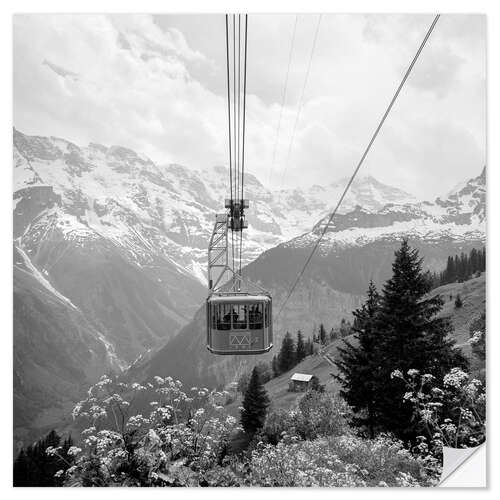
[473, 295]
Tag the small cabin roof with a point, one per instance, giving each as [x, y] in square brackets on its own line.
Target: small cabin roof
[301, 377]
[232, 299]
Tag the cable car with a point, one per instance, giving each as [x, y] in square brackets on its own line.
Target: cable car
[239, 323]
[239, 320]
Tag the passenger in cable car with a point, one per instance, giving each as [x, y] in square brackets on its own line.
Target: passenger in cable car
[226, 322]
[255, 318]
[234, 314]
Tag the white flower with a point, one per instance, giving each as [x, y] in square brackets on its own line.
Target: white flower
[74, 450]
[476, 337]
[455, 378]
[396, 374]
[426, 415]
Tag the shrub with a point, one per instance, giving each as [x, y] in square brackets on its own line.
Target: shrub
[337, 461]
[318, 414]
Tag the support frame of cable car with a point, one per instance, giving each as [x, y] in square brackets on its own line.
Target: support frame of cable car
[239, 319]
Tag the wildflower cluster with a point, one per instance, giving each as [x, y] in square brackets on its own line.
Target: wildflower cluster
[451, 411]
[147, 434]
[337, 461]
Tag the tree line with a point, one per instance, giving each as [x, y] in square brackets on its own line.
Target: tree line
[460, 268]
[34, 467]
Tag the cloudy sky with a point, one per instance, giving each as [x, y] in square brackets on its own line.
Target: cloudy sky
[156, 84]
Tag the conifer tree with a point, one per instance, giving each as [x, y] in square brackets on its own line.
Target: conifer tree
[287, 355]
[410, 336]
[301, 348]
[255, 403]
[322, 334]
[33, 467]
[333, 335]
[358, 364]
[458, 301]
[275, 367]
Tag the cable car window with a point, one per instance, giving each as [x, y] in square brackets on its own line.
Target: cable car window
[255, 317]
[239, 317]
[267, 315]
[223, 313]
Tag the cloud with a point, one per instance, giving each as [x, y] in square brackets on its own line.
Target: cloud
[157, 84]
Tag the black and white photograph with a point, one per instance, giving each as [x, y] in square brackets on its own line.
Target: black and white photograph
[249, 248]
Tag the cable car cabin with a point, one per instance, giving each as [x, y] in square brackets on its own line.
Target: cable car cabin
[239, 324]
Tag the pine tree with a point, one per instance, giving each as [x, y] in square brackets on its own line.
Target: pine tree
[458, 302]
[410, 336]
[255, 405]
[322, 334]
[275, 367]
[301, 348]
[287, 355]
[358, 364]
[333, 335]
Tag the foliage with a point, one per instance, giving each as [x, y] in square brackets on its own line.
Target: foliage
[450, 411]
[477, 341]
[255, 403]
[345, 328]
[463, 267]
[315, 385]
[410, 336]
[242, 383]
[358, 364]
[275, 366]
[458, 302]
[265, 372]
[337, 461]
[287, 354]
[322, 334]
[318, 414]
[182, 432]
[300, 352]
[33, 467]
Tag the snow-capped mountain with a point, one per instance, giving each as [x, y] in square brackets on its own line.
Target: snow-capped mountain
[169, 210]
[460, 217]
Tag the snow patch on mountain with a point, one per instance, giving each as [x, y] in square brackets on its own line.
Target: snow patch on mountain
[41, 278]
[167, 211]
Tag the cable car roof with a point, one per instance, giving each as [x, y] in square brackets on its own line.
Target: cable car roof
[239, 298]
